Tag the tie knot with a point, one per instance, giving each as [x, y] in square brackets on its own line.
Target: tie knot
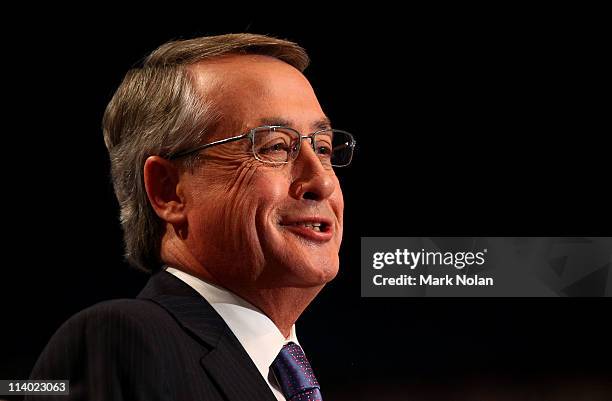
[294, 374]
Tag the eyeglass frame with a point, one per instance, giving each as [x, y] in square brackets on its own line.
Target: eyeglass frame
[251, 136]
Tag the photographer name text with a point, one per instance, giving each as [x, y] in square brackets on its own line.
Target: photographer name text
[431, 280]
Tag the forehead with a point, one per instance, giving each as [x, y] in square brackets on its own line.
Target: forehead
[251, 88]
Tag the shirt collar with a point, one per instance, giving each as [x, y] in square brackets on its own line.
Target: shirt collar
[257, 334]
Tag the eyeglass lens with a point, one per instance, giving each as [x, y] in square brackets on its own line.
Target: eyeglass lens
[279, 145]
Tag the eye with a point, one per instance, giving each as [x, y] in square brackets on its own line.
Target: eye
[323, 145]
[278, 147]
[274, 145]
[323, 149]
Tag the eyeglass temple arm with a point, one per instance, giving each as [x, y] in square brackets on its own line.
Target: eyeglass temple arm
[208, 145]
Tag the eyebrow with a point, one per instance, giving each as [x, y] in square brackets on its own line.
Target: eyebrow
[323, 123]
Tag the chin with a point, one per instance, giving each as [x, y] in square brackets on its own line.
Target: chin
[329, 274]
[313, 276]
[294, 261]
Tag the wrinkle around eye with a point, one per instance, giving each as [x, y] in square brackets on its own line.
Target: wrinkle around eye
[243, 176]
[225, 155]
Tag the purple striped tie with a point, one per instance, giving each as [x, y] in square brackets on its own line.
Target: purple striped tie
[295, 376]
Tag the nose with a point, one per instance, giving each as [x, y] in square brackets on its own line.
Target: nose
[311, 180]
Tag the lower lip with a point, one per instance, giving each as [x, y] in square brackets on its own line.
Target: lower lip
[318, 236]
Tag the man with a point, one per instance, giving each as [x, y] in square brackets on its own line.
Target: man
[222, 162]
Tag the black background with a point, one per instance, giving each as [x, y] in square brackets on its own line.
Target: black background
[474, 122]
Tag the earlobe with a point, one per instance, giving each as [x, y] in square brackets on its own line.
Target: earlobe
[163, 186]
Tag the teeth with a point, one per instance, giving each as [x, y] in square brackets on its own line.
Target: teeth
[312, 226]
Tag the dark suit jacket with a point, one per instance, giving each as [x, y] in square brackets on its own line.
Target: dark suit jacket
[168, 344]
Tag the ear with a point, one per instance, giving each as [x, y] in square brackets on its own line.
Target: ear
[162, 183]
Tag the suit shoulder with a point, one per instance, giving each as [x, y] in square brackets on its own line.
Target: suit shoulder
[104, 335]
[140, 309]
[119, 311]
[112, 348]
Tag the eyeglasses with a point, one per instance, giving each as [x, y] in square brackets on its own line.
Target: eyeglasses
[276, 144]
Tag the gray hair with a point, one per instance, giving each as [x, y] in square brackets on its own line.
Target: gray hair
[157, 111]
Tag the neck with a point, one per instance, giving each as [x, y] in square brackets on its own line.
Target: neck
[282, 304]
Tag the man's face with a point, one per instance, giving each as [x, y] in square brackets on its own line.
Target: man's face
[248, 221]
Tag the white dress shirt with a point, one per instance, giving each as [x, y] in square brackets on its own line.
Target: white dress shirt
[258, 335]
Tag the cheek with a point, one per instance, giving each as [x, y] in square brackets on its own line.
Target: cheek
[240, 201]
[270, 192]
[251, 212]
[246, 205]
[221, 206]
[337, 204]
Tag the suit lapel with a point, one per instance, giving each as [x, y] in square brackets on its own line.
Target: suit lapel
[226, 362]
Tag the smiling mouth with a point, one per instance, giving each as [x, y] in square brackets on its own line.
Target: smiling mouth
[314, 229]
[318, 227]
